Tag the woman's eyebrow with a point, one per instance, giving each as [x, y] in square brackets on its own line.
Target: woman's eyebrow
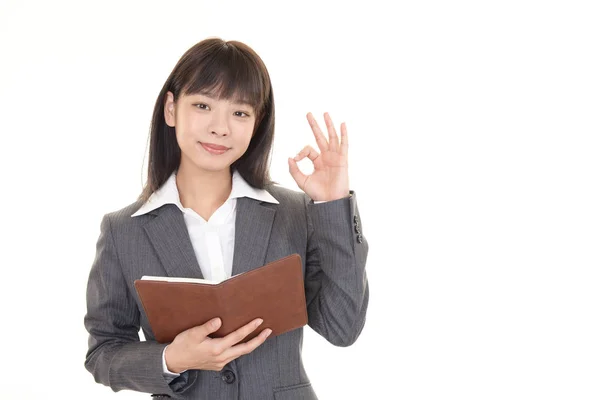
[242, 103]
[239, 102]
[206, 94]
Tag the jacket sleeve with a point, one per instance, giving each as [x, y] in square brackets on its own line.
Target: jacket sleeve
[116, 357]
[337, 290]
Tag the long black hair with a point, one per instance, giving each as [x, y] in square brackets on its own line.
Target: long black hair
[225, 69]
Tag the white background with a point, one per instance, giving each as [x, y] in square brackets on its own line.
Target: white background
[474, 152]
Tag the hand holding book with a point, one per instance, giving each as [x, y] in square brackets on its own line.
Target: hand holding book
[194, 349]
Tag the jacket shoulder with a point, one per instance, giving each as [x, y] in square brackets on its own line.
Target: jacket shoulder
[288, 197]
[123, 215]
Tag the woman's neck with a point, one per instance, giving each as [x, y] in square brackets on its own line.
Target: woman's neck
[203, 191]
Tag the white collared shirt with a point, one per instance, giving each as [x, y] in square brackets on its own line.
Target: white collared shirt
[213, 240]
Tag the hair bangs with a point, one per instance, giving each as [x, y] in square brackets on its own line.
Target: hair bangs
[232, 75]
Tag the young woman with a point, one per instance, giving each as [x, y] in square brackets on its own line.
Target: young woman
[209, 210]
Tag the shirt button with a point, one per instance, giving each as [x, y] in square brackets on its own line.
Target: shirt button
[359, 238]
[228, 376]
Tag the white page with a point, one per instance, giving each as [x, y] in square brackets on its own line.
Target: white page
[185, 280]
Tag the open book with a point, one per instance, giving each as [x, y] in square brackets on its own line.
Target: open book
[273, 292]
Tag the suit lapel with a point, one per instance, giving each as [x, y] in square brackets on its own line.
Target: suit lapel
[253, 222]
[171, 240]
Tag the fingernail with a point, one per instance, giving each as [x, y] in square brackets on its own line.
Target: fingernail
[216, 322]
[257, 323]
[267, 333]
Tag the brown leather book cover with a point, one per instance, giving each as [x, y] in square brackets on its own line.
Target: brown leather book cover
[273, 292]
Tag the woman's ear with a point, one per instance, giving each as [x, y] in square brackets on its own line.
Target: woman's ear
[170, 110]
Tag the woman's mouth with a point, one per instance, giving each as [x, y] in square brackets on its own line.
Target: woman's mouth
[213, 148]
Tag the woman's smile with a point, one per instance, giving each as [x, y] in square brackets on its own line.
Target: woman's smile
[213, 148]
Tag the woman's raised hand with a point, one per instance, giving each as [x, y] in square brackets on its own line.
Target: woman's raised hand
[329, 180]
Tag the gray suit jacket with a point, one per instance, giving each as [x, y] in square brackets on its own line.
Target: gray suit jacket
[329, 240]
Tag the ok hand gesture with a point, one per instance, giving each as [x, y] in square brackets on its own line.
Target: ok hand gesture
[329, 180]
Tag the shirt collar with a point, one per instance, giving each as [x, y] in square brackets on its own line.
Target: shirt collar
[168, 194]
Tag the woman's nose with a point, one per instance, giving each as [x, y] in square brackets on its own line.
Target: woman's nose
[218, 125]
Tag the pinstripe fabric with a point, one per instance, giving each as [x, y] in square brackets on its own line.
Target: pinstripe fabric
[325, 236]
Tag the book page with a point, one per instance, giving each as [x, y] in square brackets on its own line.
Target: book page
[184, 280]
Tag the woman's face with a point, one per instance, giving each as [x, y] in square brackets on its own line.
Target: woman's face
[212, 134]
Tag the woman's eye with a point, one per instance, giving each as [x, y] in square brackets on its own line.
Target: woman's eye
[241, 114]
[201, 106]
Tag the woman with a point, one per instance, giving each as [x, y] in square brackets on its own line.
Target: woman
[210, 210]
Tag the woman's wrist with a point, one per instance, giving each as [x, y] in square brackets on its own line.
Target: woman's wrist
[171, 361]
